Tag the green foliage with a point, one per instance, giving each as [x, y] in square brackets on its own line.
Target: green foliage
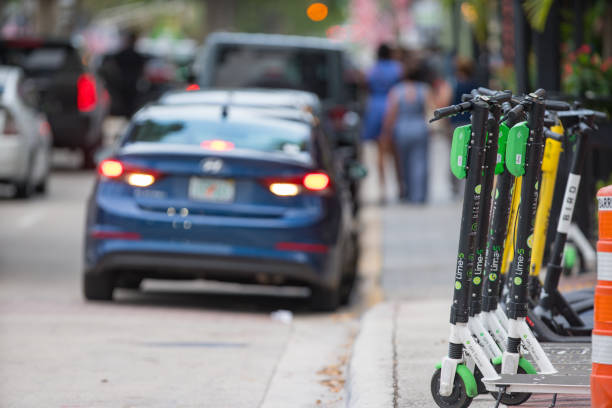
[286, 17]
[537, 12]
[584, 73]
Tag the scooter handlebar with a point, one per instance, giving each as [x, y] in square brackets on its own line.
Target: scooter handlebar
[514, 114]
[451, 110]
[557, 105]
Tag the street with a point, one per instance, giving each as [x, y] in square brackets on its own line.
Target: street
[179, 344]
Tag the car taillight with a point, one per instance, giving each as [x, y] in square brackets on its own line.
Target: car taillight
[336, 114]
[135, 177]
[110, 168]
[10, 126]
[192, 87]
[86, 93]
[316, 181]
[294, 185]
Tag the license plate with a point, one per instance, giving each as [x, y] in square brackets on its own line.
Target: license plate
[211, 189]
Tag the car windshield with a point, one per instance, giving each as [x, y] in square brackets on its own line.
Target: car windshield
[287, 137]
[241, 66]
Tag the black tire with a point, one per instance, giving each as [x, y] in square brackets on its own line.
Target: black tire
[42, 186]
[349, 274]
[129, 282]
[457, 399]
[324, 299]
[515, 398]
[24, 190]
[89, 161]
[479, 384]
[98, 287]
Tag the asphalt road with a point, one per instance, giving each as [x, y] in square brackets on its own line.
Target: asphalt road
[183, 344]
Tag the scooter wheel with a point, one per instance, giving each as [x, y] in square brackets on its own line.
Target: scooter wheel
[515, 398]
[457, 399]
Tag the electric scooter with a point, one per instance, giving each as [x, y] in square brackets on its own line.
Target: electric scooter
[553, 308]
[472, 156]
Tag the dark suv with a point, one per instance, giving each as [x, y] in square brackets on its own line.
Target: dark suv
[317, 65]
[71, 96]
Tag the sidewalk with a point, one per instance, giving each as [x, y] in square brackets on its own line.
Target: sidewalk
[402, 338]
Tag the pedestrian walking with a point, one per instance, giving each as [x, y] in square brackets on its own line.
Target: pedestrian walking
[382, 77]
[405, 128]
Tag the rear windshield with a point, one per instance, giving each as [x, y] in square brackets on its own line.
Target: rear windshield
[242, 66]
[42, 59]
[290, 138]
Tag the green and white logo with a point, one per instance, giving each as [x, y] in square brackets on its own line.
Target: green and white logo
[492, 277]
[457, 285]
[518, 280]
[478, 189]
[530, 241]
[477, 280]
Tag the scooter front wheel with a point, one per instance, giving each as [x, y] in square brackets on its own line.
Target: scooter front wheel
[457, 399]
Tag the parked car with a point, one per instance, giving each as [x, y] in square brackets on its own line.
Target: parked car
[25, 140]
[278, 102]
[223, 193]
[317, 65]
[73, 98]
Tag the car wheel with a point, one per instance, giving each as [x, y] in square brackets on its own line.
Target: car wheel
[98, 287]
[324, 299]
[89, 161]
[24, 190]
[129, 282]
[42, 186]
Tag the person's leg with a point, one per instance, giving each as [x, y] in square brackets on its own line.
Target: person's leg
[418, 171]
[401, 154]
[380, 145]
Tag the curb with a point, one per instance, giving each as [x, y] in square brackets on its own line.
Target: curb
[370, 382]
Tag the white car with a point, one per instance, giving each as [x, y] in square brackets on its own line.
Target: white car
[25, 136]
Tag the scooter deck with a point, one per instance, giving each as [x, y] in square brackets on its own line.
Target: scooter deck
[572, 360]
[544, 384]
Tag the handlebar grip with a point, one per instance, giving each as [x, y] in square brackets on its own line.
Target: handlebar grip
[466, 97]
[557, 105]
[540, 92]
[502, 96]
[552, 135]
[486, 91]
[514, 114]
[451, 110]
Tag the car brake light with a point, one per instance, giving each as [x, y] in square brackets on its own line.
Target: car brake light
[110, 168]
[294, 185]
[98, 234]
[136, 177]
[336, 114]
[140, 179]
[86, 93]
[218, 145]
[10, 126]
[192, 87]
[316, 181]
[302, 247]
[285, 189]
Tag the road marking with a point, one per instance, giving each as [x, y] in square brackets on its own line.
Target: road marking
[30, 219]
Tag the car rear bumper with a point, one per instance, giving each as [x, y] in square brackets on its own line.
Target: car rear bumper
[74, 130]
[230, 268]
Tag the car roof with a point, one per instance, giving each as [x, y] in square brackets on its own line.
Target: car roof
[255, 97]
[223, 112]
[34, 42]
[274, 40]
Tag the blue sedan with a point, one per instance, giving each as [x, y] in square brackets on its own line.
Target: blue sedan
[221, 193]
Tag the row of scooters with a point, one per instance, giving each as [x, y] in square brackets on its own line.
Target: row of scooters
[509, 156]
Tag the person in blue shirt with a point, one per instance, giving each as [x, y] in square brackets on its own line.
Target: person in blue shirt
[382, 77]
[405, 124]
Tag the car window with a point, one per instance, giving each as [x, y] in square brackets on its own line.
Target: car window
[267, 67]
[41, 60]
[290, 138]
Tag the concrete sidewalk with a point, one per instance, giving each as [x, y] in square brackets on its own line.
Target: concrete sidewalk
[402, 338]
